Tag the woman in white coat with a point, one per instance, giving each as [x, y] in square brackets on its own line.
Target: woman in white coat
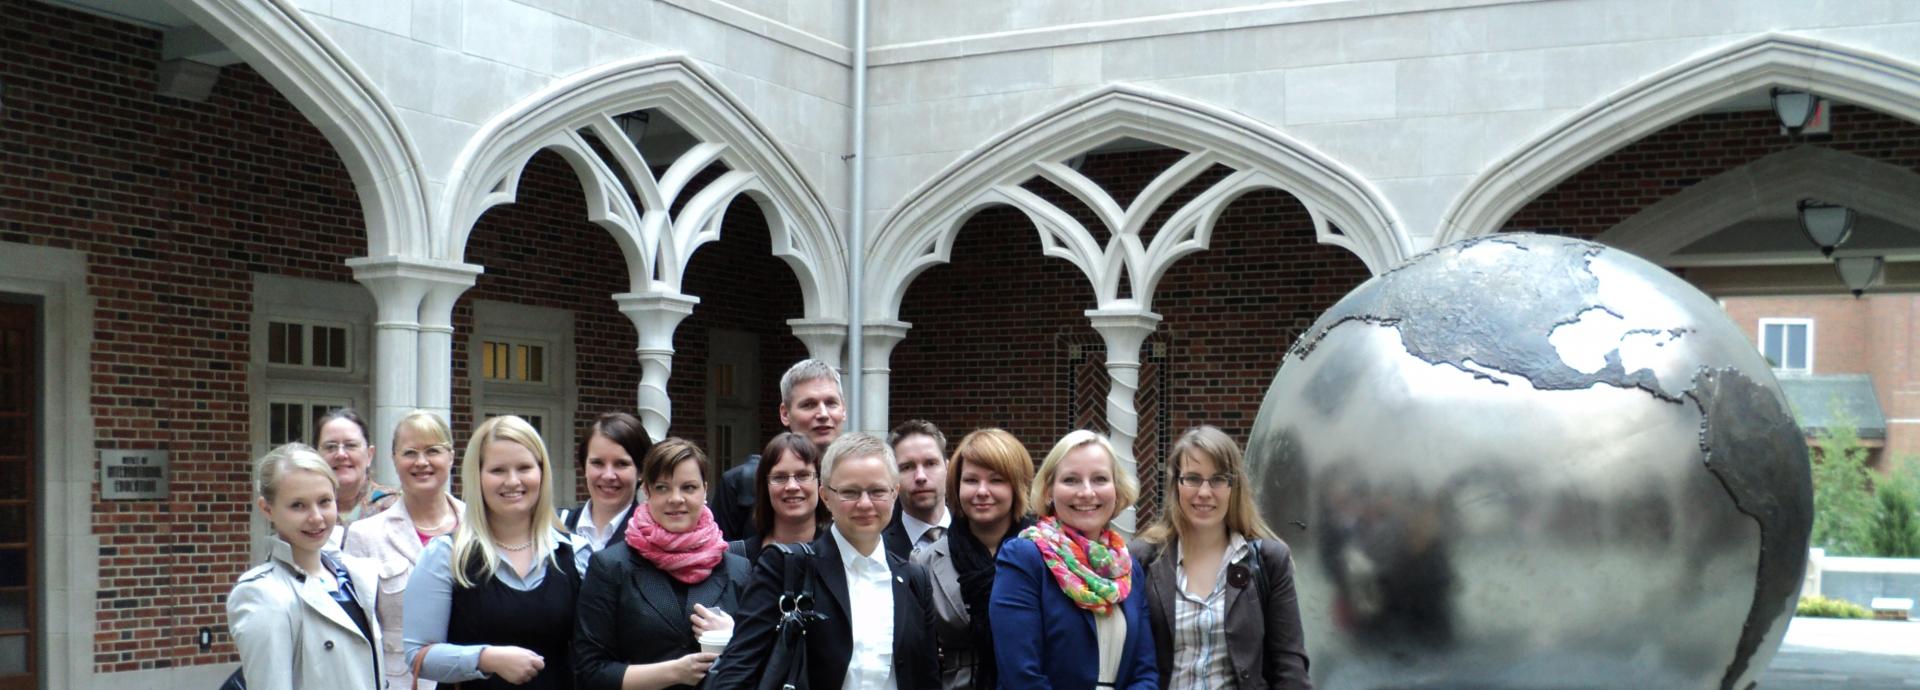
[423, 459]
[304, 619]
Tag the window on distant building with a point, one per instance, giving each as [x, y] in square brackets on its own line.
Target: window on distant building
[1788, 344]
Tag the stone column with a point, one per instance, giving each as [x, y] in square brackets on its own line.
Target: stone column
[879, 338]
[825, 339]
[436, 338]
[404, 374]
[655, 316]
[396, 353]
[1124, 328]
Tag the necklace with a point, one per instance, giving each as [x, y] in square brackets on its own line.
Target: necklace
[521, 547]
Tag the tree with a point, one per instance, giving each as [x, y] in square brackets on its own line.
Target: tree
[1843, 510]
[1895, 530]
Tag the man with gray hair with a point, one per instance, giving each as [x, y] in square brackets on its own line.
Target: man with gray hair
[810, 402]
[811, 406]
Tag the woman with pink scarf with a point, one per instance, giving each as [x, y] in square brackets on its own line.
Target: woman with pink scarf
[647, 598]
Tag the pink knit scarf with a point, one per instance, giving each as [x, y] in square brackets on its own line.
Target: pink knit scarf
[687, 556]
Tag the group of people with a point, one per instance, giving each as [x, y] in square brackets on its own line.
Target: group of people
[922, 569]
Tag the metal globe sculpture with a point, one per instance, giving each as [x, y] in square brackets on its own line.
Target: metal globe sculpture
[1533, 462]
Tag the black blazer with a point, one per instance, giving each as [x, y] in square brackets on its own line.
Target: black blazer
[894, 537]
[629, 613]
[733, 499]
[916, 664]
[1264, 642]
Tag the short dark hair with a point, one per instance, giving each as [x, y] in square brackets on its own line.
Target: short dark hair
[800, 447]
[917, 427]
[621, 428]
[667, 455]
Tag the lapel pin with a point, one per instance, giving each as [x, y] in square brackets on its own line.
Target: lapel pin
[1238, 576]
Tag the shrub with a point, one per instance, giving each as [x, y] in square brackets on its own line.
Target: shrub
[1843, 510]
[1895, 529]
[1816, 606]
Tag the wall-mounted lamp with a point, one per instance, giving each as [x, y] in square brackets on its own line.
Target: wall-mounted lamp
[1795, 108]
[1826, 225]
[1859, 272]
[634, 124]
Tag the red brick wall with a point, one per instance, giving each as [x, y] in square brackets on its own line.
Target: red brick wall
[1871, 335]
[1611, 190]
[989, 330]
[175, 204]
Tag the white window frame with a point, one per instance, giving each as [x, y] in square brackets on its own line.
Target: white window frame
[306, 346]
[1782, 367]
[555, 399]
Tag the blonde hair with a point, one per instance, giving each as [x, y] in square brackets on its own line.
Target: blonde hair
[473, 540]
[291, 457]
[425, 423]
[1212, 443]
[997, 451]
[1126, 487]
[857, 445]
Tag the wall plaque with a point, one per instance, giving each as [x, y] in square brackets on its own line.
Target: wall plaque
[131, 475]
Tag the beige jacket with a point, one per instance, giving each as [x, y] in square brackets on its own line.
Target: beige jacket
[292, 634]
[388, 538]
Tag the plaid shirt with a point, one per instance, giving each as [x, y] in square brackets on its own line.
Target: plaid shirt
[1200, 629]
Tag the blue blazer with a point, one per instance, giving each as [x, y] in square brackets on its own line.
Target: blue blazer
[1042, 640]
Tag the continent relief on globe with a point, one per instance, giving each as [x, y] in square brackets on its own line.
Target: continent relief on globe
[1496, 311]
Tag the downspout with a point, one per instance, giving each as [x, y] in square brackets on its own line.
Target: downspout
[857, 217]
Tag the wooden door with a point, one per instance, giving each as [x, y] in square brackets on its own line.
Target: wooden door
[19, 460]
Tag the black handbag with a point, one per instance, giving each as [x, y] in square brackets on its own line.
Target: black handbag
[787, 669]
[235, 681]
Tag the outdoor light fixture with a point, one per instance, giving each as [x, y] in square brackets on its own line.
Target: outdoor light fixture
[1826, 225]
[1795, 108]
[634, 124]
[1859, 272]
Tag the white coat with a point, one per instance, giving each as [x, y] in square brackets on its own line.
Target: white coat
[292, 634]
[389, 539]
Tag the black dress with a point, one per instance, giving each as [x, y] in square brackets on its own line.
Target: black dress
[540, 620]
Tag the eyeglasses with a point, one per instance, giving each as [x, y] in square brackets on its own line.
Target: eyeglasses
[1219, 482]
[432, 453]
[875, 494]
[336, 446]
[779, 480]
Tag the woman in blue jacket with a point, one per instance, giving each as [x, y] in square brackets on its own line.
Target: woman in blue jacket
[1063, 610]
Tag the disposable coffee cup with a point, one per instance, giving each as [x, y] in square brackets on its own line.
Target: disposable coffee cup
[715, 641]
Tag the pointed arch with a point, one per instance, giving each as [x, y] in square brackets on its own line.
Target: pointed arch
[487, 171]
[1767, 189]
[277, 40]
[920, 232]
[1831, 70]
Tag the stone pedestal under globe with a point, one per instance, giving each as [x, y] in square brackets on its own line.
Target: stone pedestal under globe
[1533, 462]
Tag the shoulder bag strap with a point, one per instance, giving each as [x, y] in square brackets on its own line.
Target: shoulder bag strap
[1259, 571]
[419, 659]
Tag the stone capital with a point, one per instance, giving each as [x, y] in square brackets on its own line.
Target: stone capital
[1124, 330]
[655, 315]
[825, 338]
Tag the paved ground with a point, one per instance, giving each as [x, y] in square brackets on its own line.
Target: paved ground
[1827, 654]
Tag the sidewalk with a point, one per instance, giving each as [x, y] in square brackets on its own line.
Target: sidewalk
[1832, 654]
